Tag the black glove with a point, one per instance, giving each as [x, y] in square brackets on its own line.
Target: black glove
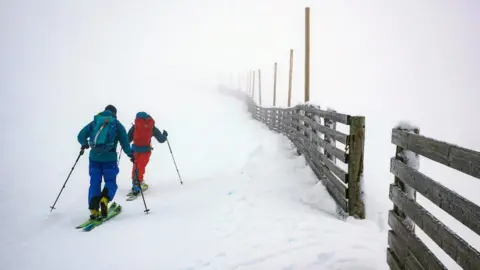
[132, 159]
[82, 149]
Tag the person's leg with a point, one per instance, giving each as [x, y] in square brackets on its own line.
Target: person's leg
[110, 171]
[134, 176]
[144, 185]
[147, 157]
[142, 160]
[94, 191]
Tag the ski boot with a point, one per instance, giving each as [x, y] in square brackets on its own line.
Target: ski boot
[143, 185]
[104, 206]
[94, 214]
[135, 189]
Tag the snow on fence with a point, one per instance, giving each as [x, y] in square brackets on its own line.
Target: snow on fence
[405, 249]
[302, 125]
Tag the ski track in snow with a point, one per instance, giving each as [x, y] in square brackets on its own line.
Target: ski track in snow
[266, 211]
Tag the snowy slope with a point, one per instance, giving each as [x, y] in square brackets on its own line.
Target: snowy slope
[255, 206]
[64, 61]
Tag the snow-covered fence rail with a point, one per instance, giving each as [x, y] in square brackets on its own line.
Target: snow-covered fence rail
[406, 250]
[302, 125]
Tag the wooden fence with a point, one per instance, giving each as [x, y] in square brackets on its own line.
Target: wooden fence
[406, 250]
[317, 142]
[302, 124]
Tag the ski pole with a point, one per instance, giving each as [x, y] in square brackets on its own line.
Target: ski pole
[141, 190]
[64, 184]
[174, 162]
[119, 156]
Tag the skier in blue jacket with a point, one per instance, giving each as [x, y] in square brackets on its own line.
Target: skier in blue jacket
[104, 133]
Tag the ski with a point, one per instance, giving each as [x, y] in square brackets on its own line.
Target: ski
[90, 221]
[83, 225]
[131, 196]
[111, 213]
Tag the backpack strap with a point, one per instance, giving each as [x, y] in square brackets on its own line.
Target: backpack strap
[99, 131]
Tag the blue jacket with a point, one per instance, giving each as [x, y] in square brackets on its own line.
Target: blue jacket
[112, 155]
[156, 133]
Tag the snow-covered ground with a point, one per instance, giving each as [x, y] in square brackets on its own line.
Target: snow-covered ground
[257, 206]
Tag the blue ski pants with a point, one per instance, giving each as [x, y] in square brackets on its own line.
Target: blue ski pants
[109, 172]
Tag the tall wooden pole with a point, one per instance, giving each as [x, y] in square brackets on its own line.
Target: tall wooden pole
[275, 85]
[259, 87]
[253, 84]
[307, 54]
[290, 78]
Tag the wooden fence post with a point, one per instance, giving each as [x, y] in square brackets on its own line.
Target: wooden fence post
[332, 125]
[260, 87]
[278, 119]
[310, 139]
[265, 115]
[290, 71]
[307, 54]
[400, 260]
[275, 85]
[317, 119]
[356, 144]
[300, 123]
[402, 156]
[253, 85]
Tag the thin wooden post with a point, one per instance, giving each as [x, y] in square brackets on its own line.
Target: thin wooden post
[412, 194]
[329, 123]
[307, 54]
[356, 143]
[290, 79]
[259, 87]
[275, 85]
[251, 88]
[401, 154]
[253, 85]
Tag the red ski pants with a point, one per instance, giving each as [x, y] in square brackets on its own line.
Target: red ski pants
[141, 161]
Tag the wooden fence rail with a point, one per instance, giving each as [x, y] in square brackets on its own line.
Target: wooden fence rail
[406, 250]
[302, 125]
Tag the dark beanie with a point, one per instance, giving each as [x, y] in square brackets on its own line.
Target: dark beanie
[112, 109]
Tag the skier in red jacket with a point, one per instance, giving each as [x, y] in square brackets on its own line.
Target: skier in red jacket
[141, 134]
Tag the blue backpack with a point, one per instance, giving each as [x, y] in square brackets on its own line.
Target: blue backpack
[103, 134]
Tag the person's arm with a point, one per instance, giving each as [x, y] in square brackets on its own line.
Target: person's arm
[124, 140]
[82, 136]
[130, 133]
[161, 137]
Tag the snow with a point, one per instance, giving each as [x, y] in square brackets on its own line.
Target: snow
[246, 212]
[410, 158]
[248, 202]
